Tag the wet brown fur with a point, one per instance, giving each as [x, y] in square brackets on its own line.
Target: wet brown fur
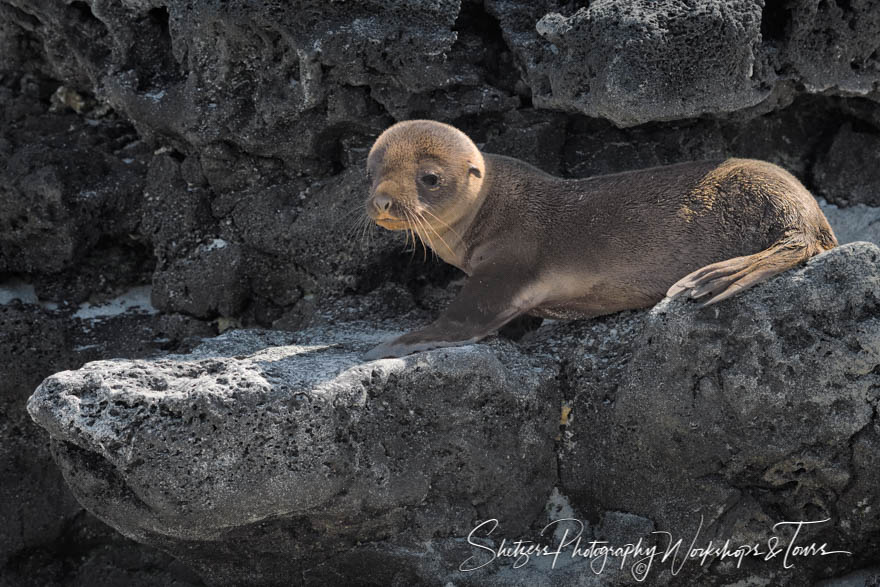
[574, 248]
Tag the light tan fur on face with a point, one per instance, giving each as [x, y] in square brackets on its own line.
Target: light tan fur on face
[406, 152]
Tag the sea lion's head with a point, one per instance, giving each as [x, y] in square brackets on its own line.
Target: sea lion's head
[425, 175]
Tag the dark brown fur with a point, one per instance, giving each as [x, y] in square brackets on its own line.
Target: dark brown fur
[537, 244]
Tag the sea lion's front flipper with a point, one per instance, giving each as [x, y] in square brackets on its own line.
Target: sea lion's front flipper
[726, 278]
[489, 300]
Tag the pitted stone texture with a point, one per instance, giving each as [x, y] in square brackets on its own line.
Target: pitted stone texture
[639, 61]
[263, 251]
[63, 186]
[296, 84]
[302, 84]
[263, 453]
[43, 540]
[319, 237]
[635, 62]
[833, 46]
[655, 60]
[264, 456]
[183, 286]
[744, 414]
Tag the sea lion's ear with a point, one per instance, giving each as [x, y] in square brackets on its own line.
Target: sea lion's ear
[475, 171]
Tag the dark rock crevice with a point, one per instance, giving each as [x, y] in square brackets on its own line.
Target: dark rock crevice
[775, 21]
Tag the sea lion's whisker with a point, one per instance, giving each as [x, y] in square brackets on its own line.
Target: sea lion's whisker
[427, 228]
[352, 228]
[437, 234]
[410, 234]
[426, 209]
[367, 230]
[357, 227]
[414, 219]
[421, 221]
[344, 216]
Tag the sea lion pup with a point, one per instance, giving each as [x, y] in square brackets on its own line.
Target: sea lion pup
[536, 244]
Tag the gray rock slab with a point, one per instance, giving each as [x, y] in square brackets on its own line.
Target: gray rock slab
[263, 453]
[727, 420]
[636, 62]
[267, 455]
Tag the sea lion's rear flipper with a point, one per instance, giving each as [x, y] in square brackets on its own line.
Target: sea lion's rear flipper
[490, 299]
[726, 278]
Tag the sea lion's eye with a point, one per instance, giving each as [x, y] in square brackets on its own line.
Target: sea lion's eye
[430, 180]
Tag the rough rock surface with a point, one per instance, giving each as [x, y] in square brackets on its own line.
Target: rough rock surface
[65, 185]
[262, 455]
[742, 415]
[635, 62]
[214, 151]
[47, 538]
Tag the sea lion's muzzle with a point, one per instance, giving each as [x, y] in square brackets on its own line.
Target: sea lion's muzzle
[379, 208]
[381, 203]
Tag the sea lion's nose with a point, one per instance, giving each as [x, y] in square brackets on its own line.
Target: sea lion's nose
[382, 202]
